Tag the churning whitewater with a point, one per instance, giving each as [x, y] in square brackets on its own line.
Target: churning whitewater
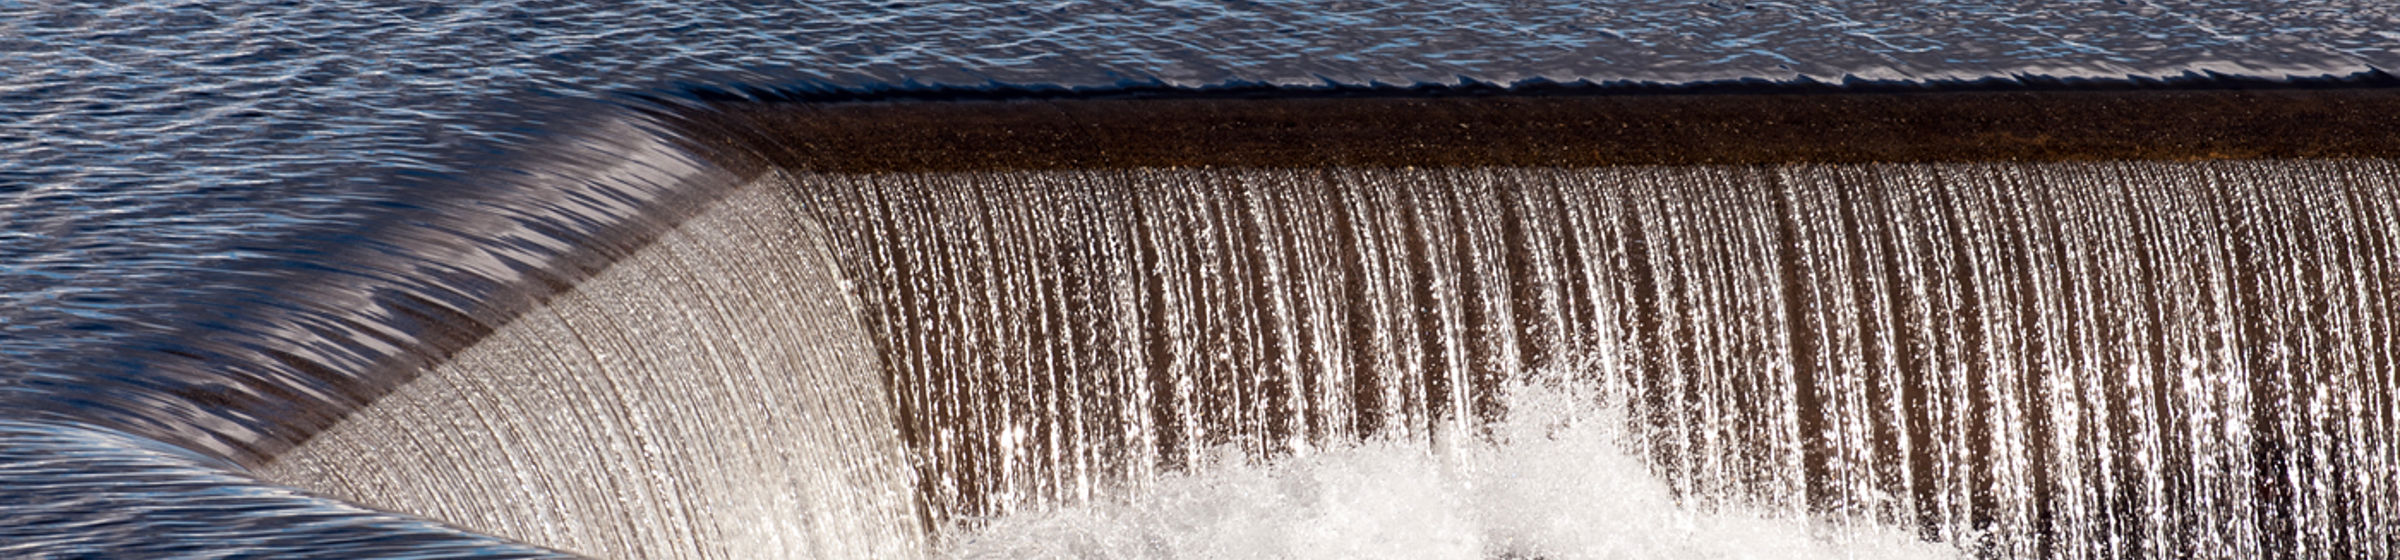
[1552, 481]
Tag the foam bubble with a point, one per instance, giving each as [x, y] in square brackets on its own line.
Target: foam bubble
[1552, 481]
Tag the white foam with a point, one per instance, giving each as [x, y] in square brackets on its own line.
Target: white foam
[1554, 481]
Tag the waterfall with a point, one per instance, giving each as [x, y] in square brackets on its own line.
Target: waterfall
[2139, 359]
[2132, 359]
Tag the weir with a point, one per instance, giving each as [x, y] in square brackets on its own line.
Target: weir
[2066, 324]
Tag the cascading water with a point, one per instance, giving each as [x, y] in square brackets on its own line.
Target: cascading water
[2148, 359]
[2155, 359]
[738, 385]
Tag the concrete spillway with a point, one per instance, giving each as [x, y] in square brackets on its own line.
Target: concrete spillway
[723, 363]
[1995, 323]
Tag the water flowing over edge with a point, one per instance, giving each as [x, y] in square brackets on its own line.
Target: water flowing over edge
[370, 307]
[458, 281]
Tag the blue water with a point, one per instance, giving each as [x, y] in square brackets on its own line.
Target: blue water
[168, 170]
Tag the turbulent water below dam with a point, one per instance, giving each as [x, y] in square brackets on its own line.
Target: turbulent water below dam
[2071, 360]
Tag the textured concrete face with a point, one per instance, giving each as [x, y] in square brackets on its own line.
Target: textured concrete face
[709, 396]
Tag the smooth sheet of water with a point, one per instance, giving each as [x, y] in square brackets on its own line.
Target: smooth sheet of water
[179, 180]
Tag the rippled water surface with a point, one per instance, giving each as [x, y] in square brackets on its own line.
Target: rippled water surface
[149, 145]
[166, 166]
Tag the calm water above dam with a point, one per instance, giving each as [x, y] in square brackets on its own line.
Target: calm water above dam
[231, 233]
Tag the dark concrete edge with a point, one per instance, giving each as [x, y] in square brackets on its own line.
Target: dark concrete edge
[1547, 129]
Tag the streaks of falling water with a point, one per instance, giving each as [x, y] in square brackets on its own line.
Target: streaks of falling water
[694, 400]
[2075, 360]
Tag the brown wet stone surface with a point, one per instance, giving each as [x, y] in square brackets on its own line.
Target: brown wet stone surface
[1560, 130]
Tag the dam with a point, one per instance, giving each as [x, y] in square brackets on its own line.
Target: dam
[863, 278]
[2053, 338]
